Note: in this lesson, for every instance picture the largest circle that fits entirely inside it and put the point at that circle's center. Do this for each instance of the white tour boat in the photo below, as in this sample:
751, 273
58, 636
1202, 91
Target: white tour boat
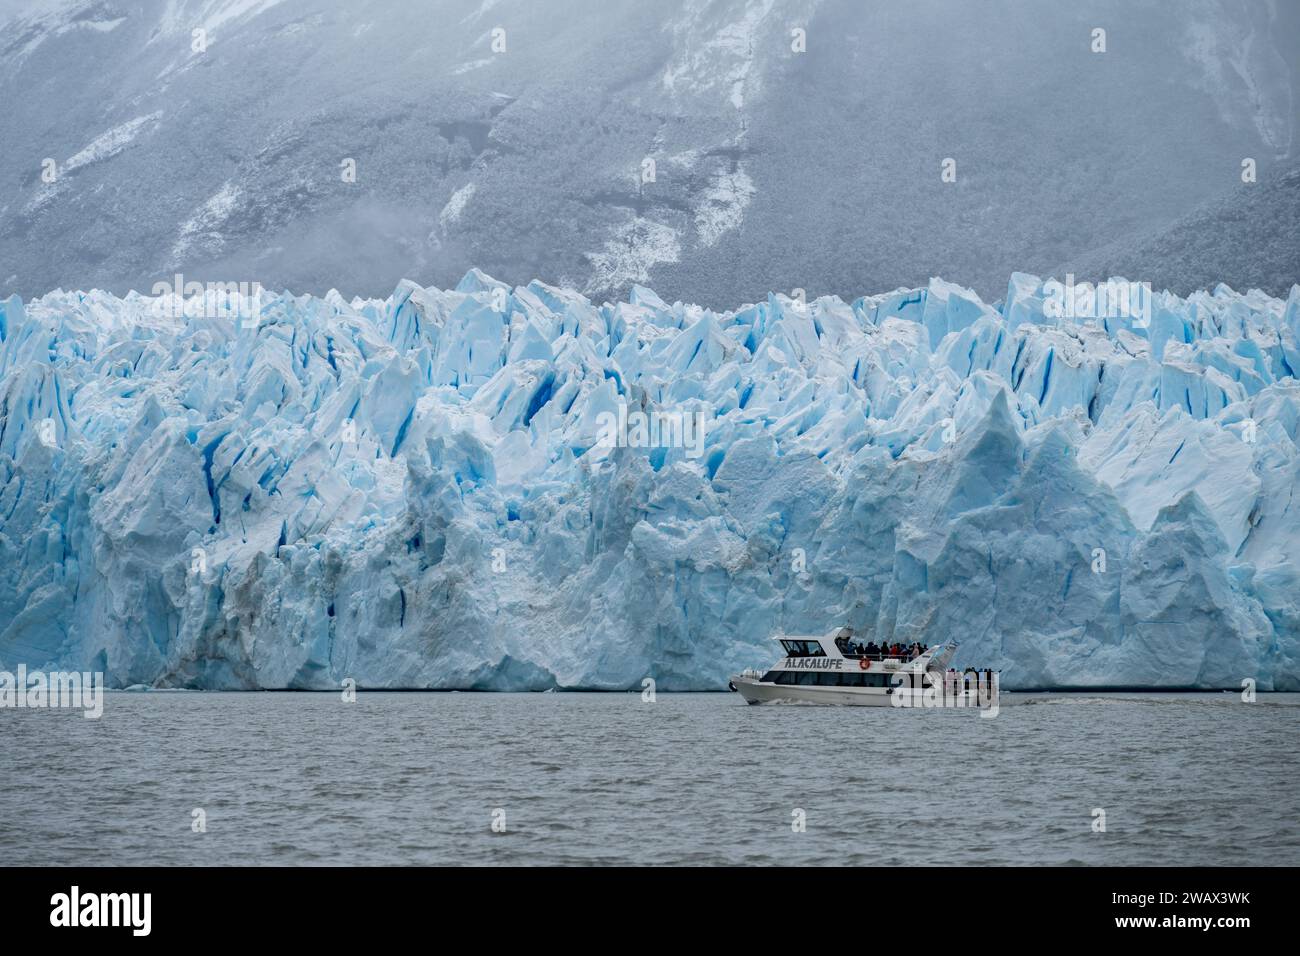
836, 670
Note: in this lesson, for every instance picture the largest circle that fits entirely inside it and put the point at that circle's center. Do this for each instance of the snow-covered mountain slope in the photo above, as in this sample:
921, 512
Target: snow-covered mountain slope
427, 490
1263, 218
523, 152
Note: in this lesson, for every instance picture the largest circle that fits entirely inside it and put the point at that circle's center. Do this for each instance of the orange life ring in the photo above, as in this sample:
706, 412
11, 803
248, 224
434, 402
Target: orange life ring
864, 664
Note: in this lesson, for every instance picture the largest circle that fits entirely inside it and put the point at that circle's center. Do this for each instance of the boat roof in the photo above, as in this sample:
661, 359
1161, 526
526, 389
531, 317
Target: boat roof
835, 635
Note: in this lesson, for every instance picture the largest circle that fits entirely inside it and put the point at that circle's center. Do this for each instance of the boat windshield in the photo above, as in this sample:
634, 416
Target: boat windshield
794, 648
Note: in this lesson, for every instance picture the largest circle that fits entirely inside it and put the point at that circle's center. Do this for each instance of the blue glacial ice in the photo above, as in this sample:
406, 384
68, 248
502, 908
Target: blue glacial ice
414, 492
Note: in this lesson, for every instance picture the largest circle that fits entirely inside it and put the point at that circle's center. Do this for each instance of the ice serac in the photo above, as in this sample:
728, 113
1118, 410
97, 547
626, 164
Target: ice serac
421, 491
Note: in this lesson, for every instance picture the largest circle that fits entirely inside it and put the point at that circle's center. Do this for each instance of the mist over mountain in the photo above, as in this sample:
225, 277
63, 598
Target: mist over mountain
511, 136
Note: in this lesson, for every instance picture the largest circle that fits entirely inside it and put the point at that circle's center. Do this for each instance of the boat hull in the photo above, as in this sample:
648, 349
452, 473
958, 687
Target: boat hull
761, 692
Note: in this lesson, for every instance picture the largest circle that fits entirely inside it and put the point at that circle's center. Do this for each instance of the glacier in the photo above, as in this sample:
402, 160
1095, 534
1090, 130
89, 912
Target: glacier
414, 492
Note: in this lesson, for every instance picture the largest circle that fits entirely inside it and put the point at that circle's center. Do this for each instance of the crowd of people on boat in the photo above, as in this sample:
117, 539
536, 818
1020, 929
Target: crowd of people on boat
879, 652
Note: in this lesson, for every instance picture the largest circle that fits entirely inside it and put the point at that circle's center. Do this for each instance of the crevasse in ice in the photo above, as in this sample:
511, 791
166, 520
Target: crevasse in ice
423, 492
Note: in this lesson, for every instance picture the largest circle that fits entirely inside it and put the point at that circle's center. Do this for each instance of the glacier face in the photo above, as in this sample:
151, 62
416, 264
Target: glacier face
421, 491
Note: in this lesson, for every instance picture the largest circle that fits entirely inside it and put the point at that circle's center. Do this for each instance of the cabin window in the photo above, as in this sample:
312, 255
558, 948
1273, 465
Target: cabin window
803, 649
801, 678
828, 678
859, 679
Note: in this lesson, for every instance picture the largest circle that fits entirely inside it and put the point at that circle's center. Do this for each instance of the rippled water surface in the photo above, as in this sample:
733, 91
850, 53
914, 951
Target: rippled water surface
689, 778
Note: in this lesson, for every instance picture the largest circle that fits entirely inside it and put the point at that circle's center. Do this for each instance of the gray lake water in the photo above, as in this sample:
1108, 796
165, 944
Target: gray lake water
687, 779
